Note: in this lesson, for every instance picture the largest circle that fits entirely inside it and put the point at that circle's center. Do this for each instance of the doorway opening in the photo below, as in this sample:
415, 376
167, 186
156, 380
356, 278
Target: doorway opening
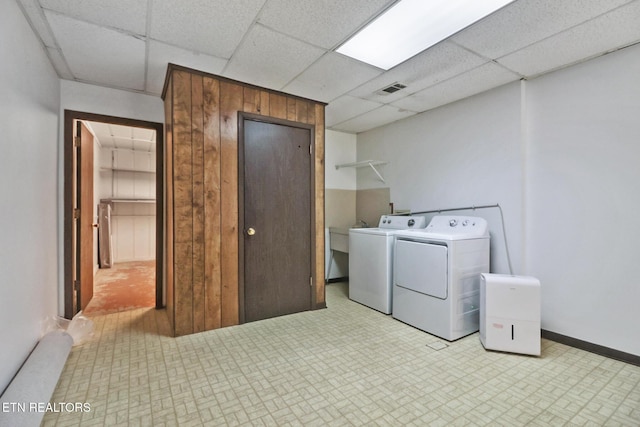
113, 213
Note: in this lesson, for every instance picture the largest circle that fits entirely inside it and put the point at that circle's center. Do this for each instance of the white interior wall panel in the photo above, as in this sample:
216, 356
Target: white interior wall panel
30, 246
133, 185
134, 160
463, 154
123, 159
143, 237
133, 237
559, 153
583, 200
134, 230
144, 185
340, 149
133, 223
123, 242
127, 183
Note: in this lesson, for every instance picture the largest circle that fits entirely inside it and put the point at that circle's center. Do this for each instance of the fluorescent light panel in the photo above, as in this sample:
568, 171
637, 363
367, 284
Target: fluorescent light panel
411, 26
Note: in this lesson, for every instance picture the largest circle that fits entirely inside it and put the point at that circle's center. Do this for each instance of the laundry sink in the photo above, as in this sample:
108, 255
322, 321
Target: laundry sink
339, 239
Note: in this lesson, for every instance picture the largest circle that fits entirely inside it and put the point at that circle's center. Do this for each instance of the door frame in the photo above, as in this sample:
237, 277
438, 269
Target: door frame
69, 132
242, 116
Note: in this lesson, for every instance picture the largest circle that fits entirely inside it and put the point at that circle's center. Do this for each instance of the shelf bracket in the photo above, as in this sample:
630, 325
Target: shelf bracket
377, 173
364, 163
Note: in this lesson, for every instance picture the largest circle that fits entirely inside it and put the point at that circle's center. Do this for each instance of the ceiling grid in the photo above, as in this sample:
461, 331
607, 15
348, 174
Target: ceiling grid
289, 45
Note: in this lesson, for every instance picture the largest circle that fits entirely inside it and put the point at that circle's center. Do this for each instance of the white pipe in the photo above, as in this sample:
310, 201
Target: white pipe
27, 395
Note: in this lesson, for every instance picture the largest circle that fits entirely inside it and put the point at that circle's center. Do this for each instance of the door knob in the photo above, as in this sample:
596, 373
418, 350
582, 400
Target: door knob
94, 225
251, 231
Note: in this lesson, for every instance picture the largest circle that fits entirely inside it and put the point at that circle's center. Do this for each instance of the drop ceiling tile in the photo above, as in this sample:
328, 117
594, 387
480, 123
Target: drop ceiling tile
522, 23
144, 146
323, 23
124, 143
160, 55
270, 59
590, 39
143, 134
102, 132
98, 55
372, 119
215, 27
433, 65
107, 142
483, 78
100, 129
347, 107
128, 15
331, 76
119, 131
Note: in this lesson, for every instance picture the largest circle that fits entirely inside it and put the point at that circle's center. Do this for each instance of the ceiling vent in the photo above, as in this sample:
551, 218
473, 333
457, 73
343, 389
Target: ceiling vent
391, 89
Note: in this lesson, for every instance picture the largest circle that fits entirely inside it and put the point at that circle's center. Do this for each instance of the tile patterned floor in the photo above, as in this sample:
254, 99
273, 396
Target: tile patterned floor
346, 365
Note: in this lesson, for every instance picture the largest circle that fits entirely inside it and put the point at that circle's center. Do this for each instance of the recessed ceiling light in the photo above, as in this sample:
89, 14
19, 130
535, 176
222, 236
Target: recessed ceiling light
411, 26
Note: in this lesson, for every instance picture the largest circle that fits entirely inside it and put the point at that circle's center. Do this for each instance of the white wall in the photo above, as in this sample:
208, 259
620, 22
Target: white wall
111, 102
133, 224
340, 148
340, 196
98, 100
583, 203
560, 154
30, 95
133, 227
464, 154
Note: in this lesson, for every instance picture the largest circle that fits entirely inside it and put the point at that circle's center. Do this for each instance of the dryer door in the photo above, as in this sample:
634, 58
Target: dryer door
421, 267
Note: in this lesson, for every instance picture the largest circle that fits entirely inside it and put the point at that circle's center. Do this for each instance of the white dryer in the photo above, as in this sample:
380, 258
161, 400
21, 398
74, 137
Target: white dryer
436, 285
371, 260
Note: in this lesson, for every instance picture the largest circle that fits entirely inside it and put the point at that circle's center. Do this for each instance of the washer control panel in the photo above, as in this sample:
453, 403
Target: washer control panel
457, 225
465, 222
401, 222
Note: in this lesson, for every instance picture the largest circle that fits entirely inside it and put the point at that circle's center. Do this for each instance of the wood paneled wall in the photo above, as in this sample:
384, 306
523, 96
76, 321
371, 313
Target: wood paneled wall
201, 170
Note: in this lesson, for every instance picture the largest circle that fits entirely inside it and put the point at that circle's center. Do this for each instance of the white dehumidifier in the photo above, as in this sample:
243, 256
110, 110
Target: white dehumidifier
510, 313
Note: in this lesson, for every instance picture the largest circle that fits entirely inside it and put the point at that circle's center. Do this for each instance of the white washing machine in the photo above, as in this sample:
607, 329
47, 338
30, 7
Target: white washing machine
436, 285
371, 260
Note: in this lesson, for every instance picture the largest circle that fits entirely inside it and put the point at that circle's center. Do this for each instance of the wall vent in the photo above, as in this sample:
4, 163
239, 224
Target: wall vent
391, 89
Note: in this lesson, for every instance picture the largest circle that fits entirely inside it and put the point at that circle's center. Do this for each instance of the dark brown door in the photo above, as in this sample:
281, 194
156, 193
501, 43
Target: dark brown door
84, 222
277, 219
